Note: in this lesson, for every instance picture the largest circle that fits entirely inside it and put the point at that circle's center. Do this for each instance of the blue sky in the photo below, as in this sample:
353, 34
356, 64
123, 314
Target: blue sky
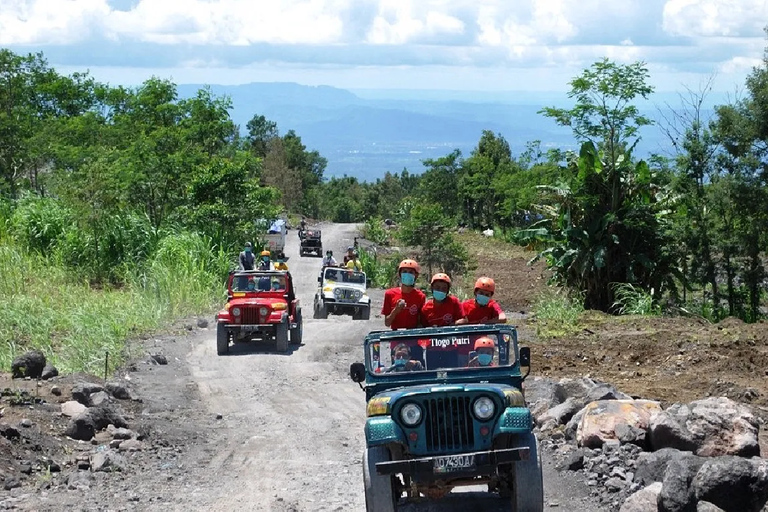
477, 45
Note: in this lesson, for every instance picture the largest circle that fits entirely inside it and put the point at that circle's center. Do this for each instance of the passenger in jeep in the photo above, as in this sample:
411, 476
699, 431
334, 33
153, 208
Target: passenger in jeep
402, 362
443, 308
482, 309
403, 304
485, 349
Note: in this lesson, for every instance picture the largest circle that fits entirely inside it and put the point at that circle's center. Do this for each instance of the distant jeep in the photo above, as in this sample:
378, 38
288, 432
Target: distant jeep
261, 305
342, 291
441, 420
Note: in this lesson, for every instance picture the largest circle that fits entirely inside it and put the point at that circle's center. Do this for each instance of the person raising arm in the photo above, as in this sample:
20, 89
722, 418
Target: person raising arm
403, 304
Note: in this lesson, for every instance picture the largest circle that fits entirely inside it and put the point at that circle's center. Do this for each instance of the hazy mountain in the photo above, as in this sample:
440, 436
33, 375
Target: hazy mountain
390, 130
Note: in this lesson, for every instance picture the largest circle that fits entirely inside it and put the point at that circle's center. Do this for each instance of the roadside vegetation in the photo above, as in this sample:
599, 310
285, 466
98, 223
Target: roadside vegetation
682, 233
123, 209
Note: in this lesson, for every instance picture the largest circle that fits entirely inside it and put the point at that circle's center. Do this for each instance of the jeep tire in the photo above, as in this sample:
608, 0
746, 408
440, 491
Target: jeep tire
526, 477
379, 489
365, 314
321, 311
281, 337
297, 333
222, 339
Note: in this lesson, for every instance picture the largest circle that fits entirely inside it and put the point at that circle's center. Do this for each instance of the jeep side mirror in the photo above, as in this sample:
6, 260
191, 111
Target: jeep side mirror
525, 359
319, 279
357, 372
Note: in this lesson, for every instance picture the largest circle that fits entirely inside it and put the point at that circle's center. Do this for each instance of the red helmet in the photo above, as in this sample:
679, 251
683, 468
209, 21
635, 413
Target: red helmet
484, 342
411, 264
441, 277
486, 284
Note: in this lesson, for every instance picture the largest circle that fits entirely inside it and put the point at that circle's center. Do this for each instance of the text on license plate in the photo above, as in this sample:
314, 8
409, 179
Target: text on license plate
451, 463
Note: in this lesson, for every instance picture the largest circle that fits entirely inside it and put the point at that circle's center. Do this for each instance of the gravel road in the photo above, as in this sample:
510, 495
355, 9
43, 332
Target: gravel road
291, 437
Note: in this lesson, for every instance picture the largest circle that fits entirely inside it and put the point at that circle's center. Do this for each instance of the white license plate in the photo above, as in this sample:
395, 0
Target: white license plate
452, 463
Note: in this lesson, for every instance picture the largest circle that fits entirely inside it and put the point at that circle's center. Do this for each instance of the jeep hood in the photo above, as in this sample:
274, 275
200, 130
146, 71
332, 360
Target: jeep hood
256, 301
411, 391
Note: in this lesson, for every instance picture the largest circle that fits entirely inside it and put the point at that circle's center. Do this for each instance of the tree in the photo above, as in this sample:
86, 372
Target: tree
260, 132
440, 182
278, 173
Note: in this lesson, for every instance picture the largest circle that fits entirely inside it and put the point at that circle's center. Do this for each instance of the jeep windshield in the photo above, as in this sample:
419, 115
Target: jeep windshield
441, 351
255, 283
342, 275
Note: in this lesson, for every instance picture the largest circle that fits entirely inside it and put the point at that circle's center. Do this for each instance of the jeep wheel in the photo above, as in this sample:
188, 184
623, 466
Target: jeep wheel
222, 340
379, 489
321, 311
526, 477
281, 337
298, 332
365, 314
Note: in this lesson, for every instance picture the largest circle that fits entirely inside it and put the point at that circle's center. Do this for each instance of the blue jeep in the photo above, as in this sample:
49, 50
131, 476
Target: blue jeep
441, 419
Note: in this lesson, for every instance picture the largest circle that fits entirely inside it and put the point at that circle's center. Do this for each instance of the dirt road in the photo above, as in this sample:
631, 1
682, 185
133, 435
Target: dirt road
291, 437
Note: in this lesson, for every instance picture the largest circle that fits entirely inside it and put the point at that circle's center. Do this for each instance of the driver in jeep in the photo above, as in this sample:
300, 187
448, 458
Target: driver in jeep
485, 349
402, 362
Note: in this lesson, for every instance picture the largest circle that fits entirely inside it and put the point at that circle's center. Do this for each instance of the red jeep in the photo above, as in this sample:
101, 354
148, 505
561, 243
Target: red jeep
260, 305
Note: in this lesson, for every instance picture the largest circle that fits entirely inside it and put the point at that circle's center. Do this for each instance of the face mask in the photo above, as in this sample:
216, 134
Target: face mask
281, 261
247, 249
483, 300
484, 359
407, 279
438, 295
400, 362
265, 259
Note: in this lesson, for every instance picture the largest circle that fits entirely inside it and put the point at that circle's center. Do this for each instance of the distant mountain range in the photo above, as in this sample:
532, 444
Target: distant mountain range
368, 133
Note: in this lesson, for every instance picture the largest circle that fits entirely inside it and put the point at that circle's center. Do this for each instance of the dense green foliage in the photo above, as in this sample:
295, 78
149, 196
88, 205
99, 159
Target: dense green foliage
123, 209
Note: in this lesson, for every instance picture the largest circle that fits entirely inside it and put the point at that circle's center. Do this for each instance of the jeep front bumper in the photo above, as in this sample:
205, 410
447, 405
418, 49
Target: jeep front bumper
462, 465
257, 327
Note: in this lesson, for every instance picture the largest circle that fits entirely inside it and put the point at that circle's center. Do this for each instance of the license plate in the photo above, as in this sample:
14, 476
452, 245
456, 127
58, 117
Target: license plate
250, 328
451, 463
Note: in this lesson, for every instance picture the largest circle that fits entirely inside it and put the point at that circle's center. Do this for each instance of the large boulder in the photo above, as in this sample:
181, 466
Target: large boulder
601, 419
676, 492
82, 392
710, 427
733, 483
85, 425
561, 413
31, 364
651, 466
644, 500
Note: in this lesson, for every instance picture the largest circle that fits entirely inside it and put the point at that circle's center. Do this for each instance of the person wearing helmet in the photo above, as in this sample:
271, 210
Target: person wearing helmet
483, 309
247, 259
485, 349
402, 362
265, 263
403, 304
443, 308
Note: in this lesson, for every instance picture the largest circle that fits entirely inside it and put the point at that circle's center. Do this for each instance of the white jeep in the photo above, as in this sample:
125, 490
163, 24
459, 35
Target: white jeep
342, 291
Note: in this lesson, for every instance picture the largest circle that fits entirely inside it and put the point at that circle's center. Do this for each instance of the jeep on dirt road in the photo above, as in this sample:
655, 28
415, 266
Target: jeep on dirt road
442, 420
342, 291
311, 242
261, 305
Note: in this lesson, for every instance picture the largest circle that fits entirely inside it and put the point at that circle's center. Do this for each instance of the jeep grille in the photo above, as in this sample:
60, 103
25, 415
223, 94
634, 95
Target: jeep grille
448, 424
347, 294
250, 316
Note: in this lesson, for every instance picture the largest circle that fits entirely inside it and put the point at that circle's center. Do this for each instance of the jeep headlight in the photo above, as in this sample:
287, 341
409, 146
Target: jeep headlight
483, 408
410, 414
264, 311
338, 293
236, 311
358, 294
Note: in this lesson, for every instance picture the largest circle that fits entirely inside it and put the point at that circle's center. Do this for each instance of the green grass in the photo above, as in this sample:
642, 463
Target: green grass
557, 314
631, 300
44, 306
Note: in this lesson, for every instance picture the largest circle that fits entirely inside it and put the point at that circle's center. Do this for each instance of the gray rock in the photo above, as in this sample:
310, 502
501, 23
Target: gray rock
72, 408
651, 466
630, 434
118, 391
604, 391
25, 422
709, 427
676, 492
30, 364
99, 398
79, 480
55, 390
85, 424
573, 425
644, 500
131, 445
573, 388
704, 506
122, 433
11, 483
49, 372
82, 392
561, 413
574, 461
9, 432
159, 358
615, 484
107, 461
202, 323
733, 483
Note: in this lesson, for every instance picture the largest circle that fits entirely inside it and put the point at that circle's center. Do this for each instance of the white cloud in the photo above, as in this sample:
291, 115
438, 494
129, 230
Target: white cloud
731, 18
50, 21
403, 21
740, 65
